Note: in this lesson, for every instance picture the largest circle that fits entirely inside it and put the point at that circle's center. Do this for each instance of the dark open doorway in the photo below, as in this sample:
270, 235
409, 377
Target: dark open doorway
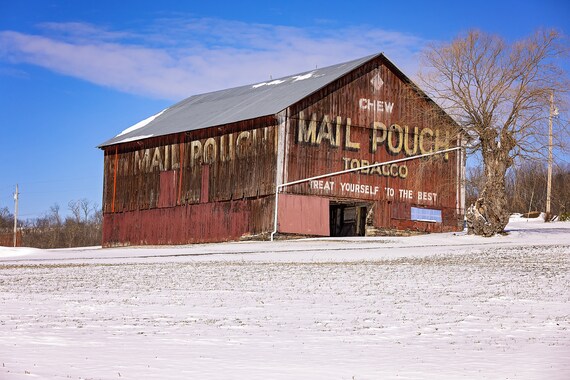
348, 219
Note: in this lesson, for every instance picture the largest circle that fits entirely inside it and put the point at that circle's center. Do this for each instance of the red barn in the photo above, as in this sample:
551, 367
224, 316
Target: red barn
210, 167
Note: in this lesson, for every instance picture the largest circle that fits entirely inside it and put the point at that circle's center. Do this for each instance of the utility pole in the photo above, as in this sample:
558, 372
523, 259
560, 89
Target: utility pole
553, 112
16, 194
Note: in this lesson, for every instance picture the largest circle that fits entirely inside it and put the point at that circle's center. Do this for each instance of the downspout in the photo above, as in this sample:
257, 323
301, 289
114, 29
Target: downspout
280, 167
277, 187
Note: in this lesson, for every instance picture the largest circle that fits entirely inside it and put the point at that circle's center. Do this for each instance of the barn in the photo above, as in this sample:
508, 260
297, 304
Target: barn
353, 149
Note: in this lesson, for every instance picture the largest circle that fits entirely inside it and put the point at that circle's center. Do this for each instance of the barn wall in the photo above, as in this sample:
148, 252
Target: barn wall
196, 223
371, 116
172, 170
165, 175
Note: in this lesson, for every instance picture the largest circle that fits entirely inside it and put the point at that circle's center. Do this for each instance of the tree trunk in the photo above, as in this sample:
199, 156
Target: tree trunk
489, 215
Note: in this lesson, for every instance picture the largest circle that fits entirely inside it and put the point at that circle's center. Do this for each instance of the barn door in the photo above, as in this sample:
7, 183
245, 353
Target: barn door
347, 219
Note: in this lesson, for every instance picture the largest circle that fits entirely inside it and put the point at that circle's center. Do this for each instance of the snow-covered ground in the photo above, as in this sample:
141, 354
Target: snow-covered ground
441, 306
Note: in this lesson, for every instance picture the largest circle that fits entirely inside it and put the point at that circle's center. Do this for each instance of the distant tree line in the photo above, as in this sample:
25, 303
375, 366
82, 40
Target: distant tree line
526, 188
81, 228
525, 184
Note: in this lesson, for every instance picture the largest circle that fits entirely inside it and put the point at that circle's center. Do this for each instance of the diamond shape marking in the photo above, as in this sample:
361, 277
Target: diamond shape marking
377, 82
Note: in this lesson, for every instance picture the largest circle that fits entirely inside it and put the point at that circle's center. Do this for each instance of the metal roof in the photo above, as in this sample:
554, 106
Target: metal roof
235, 104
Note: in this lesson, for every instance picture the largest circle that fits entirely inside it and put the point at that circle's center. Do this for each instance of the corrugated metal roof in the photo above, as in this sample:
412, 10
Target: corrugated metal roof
235, 104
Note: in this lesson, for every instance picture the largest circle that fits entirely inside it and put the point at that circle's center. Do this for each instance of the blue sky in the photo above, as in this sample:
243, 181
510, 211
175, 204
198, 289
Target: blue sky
75, 73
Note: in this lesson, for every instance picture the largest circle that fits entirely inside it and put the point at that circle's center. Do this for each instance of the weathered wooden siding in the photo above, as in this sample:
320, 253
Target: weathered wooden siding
304, 215
220, 164
176, 169
371, 116
192, 223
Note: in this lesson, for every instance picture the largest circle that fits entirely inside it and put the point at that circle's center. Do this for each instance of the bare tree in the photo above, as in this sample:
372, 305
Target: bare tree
500, 94
6, 219
526, 187
561, 191
85, 209
75, 209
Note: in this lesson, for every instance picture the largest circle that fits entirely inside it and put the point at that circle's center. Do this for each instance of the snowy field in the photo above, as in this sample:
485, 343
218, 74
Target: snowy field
440, 306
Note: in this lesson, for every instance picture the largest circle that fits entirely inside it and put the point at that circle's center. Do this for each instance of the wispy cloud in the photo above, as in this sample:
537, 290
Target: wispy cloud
177, 57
